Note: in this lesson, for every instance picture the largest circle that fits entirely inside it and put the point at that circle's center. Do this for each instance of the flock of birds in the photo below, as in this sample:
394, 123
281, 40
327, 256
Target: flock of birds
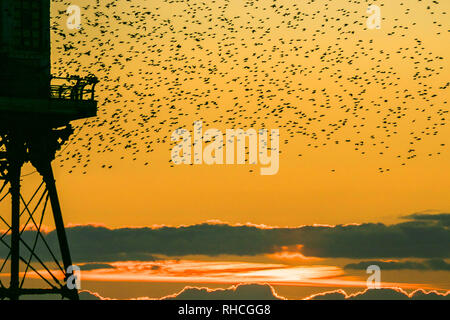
310, 68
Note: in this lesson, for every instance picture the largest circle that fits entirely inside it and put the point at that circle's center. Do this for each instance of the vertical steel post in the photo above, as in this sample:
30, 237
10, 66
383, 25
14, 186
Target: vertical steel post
15, 230
14, 180
47, 174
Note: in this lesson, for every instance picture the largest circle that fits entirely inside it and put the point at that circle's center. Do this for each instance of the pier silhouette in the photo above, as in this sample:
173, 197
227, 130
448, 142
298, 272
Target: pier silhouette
36, 110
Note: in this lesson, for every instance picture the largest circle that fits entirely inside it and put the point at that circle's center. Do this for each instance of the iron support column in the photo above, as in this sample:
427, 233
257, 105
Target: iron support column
47, 174
14, 170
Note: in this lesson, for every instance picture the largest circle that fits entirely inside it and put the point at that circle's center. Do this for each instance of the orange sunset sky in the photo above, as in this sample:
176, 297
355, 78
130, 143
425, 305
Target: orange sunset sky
362, 114
305, 190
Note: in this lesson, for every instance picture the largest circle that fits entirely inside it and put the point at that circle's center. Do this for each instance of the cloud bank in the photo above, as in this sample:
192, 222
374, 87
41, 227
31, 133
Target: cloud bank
381, 294
422, 236
255, 291
239, 292
431, 264
96, 266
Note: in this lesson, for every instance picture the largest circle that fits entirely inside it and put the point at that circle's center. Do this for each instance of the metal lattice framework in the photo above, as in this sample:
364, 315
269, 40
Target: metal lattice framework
28, 253
35, 114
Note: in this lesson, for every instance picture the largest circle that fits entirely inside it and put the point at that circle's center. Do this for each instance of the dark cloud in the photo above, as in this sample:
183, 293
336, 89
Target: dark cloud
88, 295
431, 264
96, 266
442, 218
382, 294
251, 291
240, 292
417, 238
267, 292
